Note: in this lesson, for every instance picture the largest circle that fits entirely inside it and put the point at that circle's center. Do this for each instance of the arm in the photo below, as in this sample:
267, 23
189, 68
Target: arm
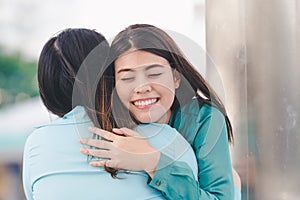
212, 152
174, 179
172, 147
26, 174
214, 167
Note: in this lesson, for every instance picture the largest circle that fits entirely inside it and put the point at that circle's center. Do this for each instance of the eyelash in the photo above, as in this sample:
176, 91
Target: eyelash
150, 75
127, 79
155, 75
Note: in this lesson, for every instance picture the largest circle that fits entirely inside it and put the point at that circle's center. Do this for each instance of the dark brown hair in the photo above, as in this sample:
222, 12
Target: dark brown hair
58, 64
154, 40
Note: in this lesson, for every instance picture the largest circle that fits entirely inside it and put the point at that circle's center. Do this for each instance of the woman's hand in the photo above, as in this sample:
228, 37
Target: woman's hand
126, 149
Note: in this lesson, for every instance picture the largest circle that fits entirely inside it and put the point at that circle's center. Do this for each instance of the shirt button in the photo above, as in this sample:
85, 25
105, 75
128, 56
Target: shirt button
158, 183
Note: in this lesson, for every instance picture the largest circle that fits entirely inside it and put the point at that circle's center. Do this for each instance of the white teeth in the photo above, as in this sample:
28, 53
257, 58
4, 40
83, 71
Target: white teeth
145, 103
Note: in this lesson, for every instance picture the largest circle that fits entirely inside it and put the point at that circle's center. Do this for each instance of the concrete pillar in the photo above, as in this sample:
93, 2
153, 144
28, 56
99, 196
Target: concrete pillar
254, 47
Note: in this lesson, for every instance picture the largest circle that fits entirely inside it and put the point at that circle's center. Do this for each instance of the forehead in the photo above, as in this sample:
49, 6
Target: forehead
138, 58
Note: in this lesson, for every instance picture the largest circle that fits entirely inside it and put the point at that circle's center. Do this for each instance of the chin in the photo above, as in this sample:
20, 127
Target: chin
143, 120
151, 120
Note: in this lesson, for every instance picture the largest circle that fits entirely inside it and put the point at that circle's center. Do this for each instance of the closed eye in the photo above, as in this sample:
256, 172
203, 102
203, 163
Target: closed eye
155, 74
127, 78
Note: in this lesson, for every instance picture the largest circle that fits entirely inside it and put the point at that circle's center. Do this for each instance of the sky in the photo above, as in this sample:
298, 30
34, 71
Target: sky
26, 25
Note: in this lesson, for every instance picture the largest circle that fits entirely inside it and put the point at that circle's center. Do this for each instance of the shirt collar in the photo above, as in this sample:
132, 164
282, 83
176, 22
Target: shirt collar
75, 116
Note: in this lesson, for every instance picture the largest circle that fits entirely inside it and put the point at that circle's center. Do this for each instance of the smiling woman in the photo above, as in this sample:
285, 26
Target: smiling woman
146, 86
150, 80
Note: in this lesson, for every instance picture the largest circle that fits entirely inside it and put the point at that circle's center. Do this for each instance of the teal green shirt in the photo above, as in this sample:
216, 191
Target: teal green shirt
205, 129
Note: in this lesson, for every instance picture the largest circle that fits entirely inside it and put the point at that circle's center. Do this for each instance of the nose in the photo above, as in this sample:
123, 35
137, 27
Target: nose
144, 88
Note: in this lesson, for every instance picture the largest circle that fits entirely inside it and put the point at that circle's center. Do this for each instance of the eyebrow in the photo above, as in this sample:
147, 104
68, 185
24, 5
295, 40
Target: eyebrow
147, 68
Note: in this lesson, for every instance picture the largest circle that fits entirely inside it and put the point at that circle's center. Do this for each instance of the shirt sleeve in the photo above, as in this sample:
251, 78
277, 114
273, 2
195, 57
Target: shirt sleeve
26, 174
170, 178
215, 180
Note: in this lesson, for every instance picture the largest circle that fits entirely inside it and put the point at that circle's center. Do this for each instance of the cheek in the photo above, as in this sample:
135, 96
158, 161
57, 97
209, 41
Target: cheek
123, 93
167, 86
167, 93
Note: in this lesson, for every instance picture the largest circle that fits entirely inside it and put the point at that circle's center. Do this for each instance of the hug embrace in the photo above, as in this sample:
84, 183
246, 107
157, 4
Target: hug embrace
147, 124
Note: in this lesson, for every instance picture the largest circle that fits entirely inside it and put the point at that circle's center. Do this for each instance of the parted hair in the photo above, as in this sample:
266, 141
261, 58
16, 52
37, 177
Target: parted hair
58, 64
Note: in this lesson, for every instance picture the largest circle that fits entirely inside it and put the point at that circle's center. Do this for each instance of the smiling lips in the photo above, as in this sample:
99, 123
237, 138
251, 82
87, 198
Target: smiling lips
145, 103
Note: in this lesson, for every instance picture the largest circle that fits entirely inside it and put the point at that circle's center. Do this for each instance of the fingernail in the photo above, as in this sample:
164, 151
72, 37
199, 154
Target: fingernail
82, 140
83, 150
91, 128
94, 164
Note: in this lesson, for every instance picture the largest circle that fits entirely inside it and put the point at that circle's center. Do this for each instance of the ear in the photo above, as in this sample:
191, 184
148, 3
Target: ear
177, 78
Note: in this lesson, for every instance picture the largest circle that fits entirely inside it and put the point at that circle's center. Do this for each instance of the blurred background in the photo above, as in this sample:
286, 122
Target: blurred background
251, 60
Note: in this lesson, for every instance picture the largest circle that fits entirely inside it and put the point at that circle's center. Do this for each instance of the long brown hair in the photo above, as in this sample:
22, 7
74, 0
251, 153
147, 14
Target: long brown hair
154, 40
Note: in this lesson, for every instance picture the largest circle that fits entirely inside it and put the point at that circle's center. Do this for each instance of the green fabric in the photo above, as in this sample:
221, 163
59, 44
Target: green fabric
204, 128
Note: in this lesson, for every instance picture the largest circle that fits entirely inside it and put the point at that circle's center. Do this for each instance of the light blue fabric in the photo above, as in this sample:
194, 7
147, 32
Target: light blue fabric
237, 194
171, 143
54, 169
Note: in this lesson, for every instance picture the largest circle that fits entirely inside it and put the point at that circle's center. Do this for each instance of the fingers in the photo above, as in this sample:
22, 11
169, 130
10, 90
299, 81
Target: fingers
102, 163
103, 133
118, 131
128, 132
96, 153
101, 144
